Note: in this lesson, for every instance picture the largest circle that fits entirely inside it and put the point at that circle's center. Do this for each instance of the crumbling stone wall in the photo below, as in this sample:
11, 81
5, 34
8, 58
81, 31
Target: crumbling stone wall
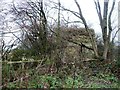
74, 53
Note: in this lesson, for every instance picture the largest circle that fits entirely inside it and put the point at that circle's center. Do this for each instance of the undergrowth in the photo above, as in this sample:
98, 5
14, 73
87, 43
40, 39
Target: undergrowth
54, 81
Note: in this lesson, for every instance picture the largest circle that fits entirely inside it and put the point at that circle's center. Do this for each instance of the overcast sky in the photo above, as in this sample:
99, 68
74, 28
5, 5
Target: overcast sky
88, 9
87, 6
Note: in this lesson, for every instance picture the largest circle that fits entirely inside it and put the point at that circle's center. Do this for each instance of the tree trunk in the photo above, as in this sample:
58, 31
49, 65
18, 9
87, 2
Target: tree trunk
105, 23
92, 39
104, 29
105, 52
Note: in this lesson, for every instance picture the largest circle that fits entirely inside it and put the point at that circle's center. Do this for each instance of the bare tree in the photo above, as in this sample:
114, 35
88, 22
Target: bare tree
1, 42
105, 23
92, 39
32, 21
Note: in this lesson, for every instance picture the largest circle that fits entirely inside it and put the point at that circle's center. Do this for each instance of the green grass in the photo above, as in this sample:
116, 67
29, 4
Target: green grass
54, 81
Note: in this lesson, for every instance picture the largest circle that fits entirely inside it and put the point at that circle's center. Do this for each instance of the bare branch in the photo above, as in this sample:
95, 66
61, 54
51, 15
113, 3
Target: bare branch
115, 35
98, 9
109, 19
94, 45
